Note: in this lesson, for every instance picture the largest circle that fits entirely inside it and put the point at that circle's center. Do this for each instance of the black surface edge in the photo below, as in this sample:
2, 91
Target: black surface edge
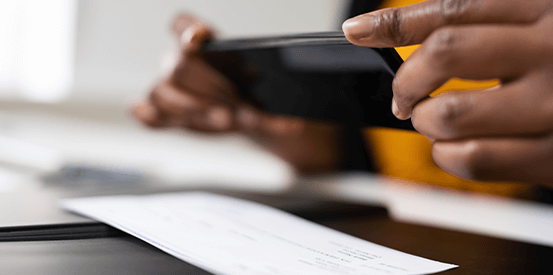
58, 232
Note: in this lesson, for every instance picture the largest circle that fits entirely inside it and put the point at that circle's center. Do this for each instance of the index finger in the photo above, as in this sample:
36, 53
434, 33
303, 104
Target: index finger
409, 25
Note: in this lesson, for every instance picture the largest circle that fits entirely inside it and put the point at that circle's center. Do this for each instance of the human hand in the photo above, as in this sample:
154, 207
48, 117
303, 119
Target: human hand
500, 134
197, 97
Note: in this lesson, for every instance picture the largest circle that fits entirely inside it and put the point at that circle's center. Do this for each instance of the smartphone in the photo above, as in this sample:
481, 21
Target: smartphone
318, 76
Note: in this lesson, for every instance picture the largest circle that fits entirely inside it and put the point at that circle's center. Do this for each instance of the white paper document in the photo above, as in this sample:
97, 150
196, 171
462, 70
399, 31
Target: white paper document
226, 235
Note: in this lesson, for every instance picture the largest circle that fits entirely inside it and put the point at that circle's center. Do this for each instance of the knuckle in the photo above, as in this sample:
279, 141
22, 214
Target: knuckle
388, 26
441, 45
453, 11
168, 101
441, 117
450, 113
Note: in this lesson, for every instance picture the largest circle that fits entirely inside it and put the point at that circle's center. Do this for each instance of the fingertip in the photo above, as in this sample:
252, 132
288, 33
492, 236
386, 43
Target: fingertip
146, 113
398, 113
404, 115
181, 22
444, 156
399, 109
195, 36
456, 158
358, 28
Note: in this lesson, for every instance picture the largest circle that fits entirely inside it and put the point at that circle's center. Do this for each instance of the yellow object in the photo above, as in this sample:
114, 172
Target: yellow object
407, 155
399, 3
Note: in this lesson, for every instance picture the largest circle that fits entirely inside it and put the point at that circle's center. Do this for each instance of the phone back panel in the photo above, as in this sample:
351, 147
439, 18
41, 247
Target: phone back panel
316, 76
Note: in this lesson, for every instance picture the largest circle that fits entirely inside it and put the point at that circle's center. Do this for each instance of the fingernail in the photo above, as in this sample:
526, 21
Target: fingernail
219, 118
359, 27
191, 34
145, 112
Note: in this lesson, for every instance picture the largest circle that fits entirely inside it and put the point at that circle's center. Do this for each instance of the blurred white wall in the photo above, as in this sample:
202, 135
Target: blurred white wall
37, 39
120, 43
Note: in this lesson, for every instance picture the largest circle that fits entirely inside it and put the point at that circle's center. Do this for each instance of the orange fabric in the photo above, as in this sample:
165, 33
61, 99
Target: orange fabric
407, 154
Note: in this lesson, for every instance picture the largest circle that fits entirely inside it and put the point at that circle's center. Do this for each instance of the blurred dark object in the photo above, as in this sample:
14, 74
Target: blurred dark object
358, 7
81, 175
58, 232
356, 152
544, 194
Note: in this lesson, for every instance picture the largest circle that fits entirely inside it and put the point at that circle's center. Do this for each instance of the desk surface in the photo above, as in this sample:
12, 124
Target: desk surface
122, 254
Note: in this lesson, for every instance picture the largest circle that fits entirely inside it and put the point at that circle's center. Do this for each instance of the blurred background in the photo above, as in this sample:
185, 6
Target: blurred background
69, 70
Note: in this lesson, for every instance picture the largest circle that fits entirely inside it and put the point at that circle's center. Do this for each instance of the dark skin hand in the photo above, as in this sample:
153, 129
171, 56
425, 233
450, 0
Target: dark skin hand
500, 134
197, 97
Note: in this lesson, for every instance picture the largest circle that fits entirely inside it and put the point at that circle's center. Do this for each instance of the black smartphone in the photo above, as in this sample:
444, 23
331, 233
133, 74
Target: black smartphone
319, 76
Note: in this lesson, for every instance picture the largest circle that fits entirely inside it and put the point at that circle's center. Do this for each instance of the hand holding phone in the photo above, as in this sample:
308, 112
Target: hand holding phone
196, 96
199, 97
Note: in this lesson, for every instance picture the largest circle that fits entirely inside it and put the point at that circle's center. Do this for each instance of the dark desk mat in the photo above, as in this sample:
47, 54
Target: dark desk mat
121, 255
